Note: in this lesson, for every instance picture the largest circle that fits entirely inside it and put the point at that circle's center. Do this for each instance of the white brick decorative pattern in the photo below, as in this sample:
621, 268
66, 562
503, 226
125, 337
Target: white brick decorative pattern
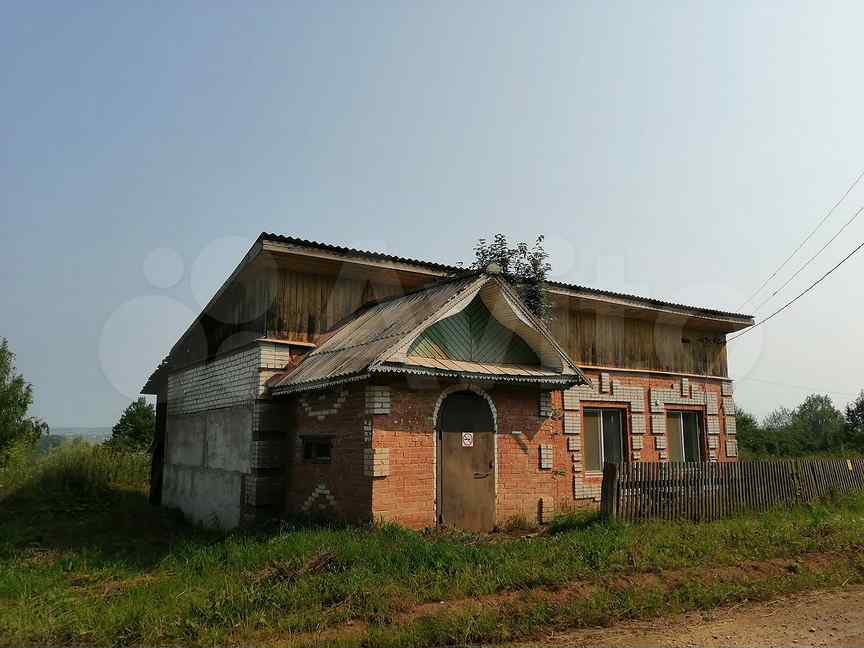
608, 390
731, 447
712, 455
377, 399
585, 491
620, 393
324, 497
546, 457
637, 442
726, 388
367, 430
713, 442
274, 356
546, 510
664, 456
572, 422
660, 442
728, 406
376, 462
685, 387
731, 425
546, 404
322, 404
658, 424
713, 425
637, 456
712, 404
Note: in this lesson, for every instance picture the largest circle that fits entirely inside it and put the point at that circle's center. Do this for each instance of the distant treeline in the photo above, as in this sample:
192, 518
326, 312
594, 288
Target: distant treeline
814, 427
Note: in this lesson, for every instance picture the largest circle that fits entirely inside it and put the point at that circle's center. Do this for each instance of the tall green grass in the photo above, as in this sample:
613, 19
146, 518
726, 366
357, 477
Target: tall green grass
76, 468
100, 566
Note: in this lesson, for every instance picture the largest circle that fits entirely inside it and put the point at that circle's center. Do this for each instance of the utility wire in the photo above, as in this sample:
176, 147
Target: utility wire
811, 259
806, 238
797, 297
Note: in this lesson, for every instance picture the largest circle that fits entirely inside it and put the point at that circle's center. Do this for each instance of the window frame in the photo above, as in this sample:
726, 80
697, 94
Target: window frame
703, 439
625, 434
307, 440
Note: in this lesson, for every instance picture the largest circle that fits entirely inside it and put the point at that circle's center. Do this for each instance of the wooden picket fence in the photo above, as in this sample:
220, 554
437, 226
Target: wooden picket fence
701, 492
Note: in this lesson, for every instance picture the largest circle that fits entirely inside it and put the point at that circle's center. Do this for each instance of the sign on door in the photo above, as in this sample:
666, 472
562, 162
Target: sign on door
467, 439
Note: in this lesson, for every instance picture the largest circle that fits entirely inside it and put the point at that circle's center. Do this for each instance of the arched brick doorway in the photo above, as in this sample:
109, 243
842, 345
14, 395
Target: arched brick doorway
466, 462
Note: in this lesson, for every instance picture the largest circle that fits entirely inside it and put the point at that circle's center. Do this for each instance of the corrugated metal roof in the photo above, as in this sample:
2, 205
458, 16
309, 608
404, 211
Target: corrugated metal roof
369, 342
362, 340
441, 267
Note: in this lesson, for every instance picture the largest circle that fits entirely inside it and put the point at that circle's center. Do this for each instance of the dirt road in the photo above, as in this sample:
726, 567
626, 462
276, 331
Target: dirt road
830, 618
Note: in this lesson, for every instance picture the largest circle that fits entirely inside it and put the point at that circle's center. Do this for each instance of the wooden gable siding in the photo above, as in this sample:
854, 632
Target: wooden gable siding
475, 336
284, 303
594, 338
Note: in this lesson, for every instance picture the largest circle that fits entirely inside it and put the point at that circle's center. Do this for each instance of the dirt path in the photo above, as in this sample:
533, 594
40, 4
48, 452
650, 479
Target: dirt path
829, 618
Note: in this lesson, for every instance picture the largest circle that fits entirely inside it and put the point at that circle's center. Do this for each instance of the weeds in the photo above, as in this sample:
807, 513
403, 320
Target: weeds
85, 560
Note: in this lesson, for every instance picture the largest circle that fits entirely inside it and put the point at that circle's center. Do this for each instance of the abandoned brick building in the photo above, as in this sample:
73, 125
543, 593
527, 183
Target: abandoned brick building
327, 380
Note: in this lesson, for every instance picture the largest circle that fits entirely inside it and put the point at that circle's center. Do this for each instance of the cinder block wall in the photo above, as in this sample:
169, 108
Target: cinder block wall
215, 426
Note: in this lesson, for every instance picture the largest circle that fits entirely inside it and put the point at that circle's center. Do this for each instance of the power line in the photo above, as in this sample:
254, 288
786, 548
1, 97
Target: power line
797, 297
806, 238
810, 260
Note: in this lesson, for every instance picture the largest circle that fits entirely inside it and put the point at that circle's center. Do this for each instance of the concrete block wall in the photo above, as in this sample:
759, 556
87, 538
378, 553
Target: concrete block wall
224, 446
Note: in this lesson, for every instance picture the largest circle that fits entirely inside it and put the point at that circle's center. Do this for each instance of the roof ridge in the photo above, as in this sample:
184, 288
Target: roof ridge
292, 240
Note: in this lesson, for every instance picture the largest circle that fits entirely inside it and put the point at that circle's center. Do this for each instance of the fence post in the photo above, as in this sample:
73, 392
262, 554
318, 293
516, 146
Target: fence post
609, 491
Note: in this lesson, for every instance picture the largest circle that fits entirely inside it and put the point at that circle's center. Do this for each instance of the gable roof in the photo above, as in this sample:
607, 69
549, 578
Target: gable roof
278, 244
378, 339
348, 253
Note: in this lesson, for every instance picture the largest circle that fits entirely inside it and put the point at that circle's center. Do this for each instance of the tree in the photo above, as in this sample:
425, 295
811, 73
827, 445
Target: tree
526, 267
16, 397
751, 436
818, 426
854, 432
134, 430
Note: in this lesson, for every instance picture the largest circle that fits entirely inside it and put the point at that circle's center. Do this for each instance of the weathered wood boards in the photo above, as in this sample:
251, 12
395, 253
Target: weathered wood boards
638, 492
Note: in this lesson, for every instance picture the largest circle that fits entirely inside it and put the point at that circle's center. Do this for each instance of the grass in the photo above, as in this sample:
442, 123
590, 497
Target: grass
85, 560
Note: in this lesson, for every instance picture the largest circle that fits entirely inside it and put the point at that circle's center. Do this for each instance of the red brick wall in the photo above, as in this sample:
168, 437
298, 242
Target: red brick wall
521, 480
406, 494
350, 491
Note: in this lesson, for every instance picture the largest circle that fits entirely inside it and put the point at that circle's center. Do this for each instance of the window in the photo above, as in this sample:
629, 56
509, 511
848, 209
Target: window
684, 436
603, 435
317, 449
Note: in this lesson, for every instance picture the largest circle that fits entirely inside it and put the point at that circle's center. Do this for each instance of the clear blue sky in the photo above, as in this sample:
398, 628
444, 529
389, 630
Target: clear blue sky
677, 150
